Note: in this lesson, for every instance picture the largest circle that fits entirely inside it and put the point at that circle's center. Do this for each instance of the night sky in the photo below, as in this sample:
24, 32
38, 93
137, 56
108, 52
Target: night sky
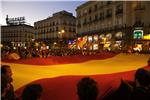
37, 9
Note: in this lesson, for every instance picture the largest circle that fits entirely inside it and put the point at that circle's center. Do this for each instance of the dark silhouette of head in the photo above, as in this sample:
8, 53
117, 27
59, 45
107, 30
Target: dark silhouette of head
4, 84
6, 70
148, 62
32, 92
142, 77
87, 89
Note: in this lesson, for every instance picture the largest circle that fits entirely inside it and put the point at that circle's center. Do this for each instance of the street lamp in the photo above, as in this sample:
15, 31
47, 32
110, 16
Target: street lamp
60, 33
32, 40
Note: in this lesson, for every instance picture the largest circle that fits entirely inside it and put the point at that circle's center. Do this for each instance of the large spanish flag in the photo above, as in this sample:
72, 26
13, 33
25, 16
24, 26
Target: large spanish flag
59, 75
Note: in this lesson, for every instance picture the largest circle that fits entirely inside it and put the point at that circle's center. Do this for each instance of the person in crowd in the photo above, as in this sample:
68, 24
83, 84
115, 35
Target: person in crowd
148, 62
4, 87
87, 89
32, 92
6, 71
122, 93
142, 89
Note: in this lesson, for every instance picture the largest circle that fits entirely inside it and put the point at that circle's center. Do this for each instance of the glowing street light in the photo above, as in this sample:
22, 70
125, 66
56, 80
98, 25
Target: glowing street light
62, 31
14, 48
55, 43
47, 47
1, 45
33, 40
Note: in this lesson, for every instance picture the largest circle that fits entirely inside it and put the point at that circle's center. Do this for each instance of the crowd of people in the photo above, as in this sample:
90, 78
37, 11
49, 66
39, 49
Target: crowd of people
87, 88
32, 52
139, 89
7, 90
30, 92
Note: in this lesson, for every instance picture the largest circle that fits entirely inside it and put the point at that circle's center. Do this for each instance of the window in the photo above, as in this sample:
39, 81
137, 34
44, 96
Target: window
53, 23
95, 7
69, 29
90, 19
138, 21
79, 14
64, 22
56, 23
79, 23
73, 29
95, 19
119, 9
109, 13
101, 16
84, 21
90, 10
109, 2
56, 28
85, 11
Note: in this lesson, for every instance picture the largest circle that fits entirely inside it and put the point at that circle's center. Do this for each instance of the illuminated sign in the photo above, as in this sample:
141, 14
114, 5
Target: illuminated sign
109, 36
95, 37
147, 37
85, 38
15, 21
138, 34
101, 36
95, 46
90, 39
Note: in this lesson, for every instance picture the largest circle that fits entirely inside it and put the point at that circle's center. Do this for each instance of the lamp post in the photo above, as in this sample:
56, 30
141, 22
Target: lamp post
32, 44
60, 35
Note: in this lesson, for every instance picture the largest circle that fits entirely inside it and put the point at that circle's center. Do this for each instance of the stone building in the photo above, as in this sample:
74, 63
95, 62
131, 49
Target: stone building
62, 25
113, 24
17, 35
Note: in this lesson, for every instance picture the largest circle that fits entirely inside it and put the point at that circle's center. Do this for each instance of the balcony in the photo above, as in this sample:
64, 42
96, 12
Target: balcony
95, 20
119, 11
101, 18
108, 3
109, 15
84, 23
90, 11
95, 8
138, 24
139, 8
78, 25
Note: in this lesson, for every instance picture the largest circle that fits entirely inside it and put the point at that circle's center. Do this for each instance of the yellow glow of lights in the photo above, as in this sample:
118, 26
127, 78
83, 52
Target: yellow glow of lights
36, 44
106, 45
104, 39
62, 31
147, 37
1, 45
139, 45
55, 43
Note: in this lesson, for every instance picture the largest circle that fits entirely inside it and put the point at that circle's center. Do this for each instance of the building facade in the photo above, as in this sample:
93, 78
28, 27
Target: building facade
17, 35
113, 23
62, 25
